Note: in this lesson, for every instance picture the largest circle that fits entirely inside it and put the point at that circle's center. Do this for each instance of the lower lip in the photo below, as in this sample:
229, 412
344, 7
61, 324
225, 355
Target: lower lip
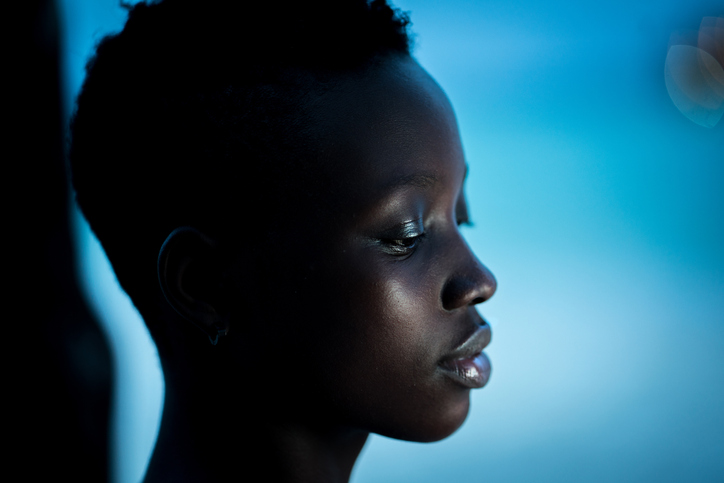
472, 372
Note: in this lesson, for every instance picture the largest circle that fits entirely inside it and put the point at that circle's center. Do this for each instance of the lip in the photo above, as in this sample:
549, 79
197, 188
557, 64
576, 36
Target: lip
467, 364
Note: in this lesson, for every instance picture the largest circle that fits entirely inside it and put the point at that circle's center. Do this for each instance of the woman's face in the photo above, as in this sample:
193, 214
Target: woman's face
387, 337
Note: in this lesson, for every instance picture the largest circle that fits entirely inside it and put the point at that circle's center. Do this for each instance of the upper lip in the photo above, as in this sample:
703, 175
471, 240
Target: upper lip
473, 344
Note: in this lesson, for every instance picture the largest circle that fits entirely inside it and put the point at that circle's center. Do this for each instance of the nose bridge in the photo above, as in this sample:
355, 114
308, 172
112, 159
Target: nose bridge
469, 281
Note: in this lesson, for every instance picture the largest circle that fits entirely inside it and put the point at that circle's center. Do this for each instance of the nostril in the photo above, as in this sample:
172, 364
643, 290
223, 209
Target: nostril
470, 287
461, 292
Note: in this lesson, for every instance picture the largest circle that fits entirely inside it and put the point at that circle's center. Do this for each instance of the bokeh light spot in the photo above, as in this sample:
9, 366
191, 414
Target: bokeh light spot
694, 75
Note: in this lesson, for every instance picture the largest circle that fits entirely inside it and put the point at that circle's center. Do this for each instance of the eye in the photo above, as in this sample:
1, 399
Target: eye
403, 239
462, 215
464, 222
402, 246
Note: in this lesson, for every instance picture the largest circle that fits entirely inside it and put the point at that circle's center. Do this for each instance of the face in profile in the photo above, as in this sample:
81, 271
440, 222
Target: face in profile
387, 337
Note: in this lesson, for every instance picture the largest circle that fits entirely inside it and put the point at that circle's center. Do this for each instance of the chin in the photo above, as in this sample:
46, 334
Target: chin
432, 427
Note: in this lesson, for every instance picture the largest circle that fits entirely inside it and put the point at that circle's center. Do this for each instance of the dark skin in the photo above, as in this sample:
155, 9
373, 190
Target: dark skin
370, 303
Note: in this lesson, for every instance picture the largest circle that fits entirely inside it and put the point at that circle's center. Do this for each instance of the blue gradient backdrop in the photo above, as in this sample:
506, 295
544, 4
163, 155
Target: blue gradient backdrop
600, 209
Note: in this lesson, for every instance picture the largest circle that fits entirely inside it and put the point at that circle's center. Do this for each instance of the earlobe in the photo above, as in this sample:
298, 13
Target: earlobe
186, 263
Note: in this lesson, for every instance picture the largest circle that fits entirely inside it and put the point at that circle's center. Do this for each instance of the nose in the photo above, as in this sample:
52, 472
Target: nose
470, 282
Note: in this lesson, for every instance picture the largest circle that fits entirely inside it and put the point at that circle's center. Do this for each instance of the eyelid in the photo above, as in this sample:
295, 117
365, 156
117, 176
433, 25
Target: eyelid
404, 230
402, 247
403, 239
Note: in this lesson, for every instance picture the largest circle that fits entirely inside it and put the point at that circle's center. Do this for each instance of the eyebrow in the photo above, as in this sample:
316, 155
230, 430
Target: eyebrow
419, 180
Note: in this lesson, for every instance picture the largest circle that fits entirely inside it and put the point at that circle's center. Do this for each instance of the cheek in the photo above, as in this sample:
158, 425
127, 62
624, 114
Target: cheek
387, 338
391, 315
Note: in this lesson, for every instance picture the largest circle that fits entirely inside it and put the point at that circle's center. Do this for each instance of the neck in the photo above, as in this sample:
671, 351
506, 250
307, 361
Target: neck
212, 437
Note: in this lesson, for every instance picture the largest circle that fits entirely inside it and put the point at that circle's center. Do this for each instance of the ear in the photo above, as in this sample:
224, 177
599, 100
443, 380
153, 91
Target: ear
190, 279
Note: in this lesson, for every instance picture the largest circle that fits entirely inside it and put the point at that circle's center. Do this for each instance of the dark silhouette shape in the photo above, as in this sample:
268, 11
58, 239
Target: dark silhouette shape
67, 387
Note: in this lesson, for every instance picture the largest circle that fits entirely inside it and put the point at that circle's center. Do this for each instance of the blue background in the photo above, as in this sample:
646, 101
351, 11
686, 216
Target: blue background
600, 209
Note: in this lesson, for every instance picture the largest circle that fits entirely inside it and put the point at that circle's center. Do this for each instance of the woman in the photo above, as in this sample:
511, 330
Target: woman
290, 181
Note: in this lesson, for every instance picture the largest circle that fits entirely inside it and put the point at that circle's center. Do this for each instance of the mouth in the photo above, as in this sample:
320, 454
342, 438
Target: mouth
467, 364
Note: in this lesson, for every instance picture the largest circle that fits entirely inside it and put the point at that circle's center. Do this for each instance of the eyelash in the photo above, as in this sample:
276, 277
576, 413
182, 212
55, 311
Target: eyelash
401, 247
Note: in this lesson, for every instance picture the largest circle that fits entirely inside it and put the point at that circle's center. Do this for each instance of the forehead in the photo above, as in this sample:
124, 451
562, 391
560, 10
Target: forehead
391, 125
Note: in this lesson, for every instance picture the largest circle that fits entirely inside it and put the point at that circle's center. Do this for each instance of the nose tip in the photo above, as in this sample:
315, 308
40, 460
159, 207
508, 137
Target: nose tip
471, 284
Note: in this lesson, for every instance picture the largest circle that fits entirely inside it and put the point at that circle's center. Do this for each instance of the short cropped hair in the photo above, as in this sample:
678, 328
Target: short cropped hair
195, 105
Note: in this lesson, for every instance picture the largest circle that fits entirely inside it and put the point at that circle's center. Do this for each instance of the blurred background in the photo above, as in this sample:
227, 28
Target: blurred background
596, 155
